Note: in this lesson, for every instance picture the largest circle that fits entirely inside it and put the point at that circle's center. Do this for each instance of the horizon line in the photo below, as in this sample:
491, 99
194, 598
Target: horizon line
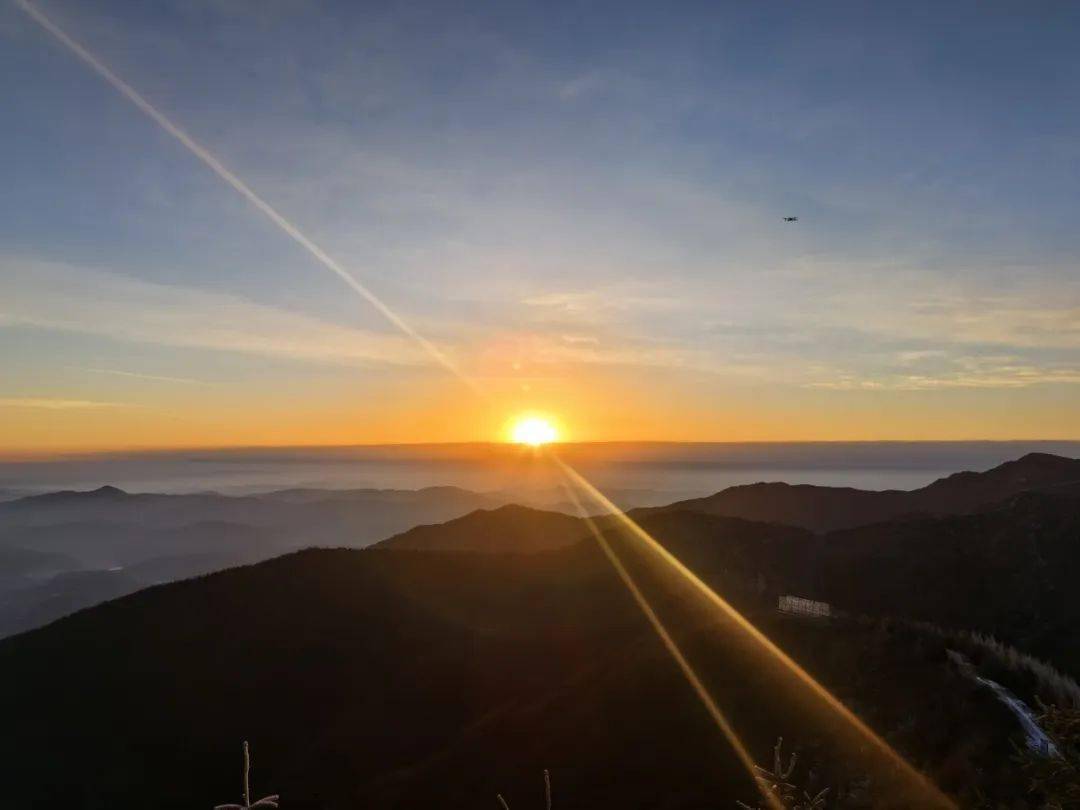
59, 455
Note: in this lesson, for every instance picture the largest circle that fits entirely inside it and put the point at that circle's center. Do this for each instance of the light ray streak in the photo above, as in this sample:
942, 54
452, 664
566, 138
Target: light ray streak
933, 795
676, 653
210, 161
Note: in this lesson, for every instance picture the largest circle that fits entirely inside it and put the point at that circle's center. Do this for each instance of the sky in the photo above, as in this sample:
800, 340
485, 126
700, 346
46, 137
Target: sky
579, 204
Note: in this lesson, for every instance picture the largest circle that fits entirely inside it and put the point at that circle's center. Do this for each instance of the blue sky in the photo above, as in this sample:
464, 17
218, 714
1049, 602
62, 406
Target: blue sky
559, 195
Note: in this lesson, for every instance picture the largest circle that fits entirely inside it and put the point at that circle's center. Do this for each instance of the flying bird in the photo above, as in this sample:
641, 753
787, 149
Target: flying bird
791, 219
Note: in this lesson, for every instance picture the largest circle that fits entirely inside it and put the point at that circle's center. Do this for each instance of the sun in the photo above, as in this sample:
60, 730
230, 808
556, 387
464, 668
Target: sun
533, 431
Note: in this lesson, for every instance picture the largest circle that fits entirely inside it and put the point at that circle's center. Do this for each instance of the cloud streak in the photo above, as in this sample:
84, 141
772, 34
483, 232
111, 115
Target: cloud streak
75, 299
138, 376
49, 404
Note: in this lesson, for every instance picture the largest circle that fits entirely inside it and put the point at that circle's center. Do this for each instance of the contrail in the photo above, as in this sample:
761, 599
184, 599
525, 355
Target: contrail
215, 165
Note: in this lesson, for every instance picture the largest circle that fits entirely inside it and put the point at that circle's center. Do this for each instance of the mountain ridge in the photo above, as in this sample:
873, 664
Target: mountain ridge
511, 528
823, 509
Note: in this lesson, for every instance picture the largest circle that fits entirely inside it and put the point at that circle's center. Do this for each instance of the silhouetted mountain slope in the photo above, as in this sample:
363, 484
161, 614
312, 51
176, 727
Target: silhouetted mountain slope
391, 678
367, 659
969, 491
508, 529
1010, 570
827, 508
630, 734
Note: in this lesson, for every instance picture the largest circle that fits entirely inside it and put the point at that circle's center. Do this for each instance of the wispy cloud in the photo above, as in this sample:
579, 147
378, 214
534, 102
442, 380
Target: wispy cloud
586, 84
1015, 378
598, 304
77, 299
49, 404
136, 375
1044, 323
934, 370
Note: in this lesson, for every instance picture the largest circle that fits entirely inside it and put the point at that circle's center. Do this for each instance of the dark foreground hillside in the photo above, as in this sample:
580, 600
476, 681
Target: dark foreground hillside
1011, 571
384, 678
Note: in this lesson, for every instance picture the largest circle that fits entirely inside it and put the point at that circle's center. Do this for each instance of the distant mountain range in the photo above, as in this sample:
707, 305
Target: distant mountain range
826, 508
362, 515
454, 661
119, 542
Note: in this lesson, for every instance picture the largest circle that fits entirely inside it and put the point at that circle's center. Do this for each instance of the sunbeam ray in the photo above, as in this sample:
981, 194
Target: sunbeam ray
717, 715
216, 166
929, 792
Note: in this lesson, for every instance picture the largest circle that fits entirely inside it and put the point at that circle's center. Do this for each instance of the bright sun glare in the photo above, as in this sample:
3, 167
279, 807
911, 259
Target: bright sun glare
533, 431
